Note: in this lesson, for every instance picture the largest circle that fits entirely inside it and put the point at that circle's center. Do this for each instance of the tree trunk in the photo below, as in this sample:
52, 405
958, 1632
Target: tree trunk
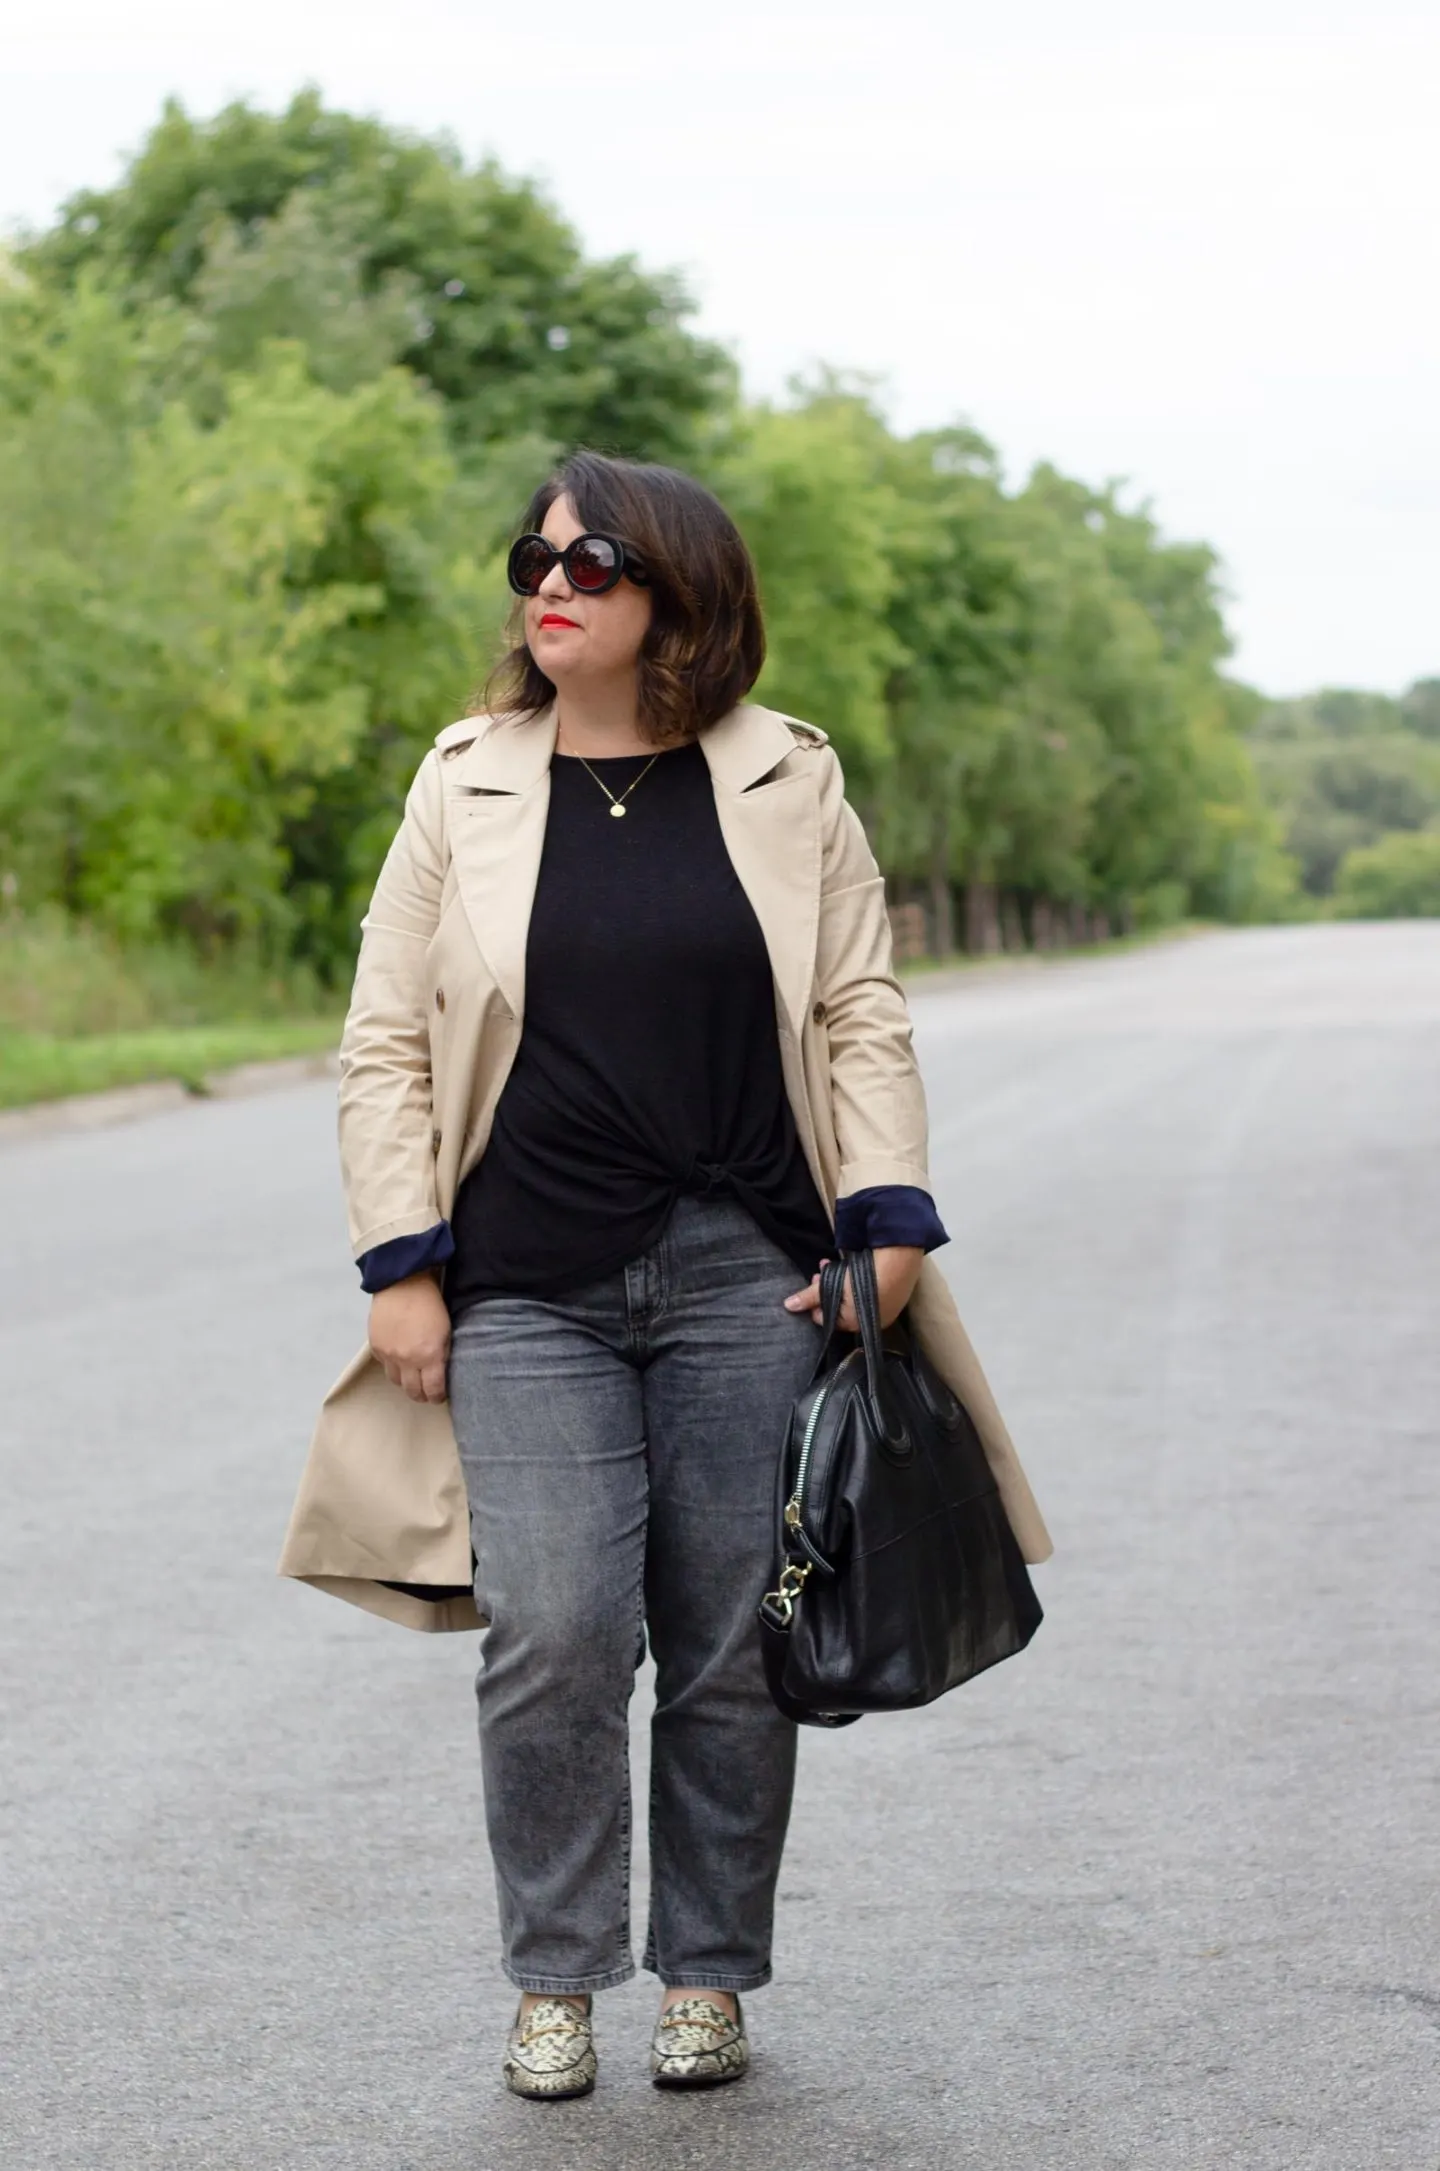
942, 900
982, 919
1012, 926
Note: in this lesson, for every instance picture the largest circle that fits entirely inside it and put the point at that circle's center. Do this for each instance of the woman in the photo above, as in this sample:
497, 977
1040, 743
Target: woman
624, 1030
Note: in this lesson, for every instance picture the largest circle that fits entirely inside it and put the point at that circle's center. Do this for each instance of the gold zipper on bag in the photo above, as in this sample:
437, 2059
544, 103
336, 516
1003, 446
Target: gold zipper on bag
795, 1505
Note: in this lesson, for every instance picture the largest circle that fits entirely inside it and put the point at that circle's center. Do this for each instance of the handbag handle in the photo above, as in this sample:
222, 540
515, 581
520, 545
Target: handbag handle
832, 1296
890, 1431
853, 1264
865, 1295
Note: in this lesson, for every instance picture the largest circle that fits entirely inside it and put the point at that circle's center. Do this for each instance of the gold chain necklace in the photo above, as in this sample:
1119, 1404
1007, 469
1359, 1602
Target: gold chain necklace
617, 806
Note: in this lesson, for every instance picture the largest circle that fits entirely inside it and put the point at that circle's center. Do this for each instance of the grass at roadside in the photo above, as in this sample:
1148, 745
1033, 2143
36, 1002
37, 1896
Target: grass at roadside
82, 1012
47, 1066
921, 968
71, 980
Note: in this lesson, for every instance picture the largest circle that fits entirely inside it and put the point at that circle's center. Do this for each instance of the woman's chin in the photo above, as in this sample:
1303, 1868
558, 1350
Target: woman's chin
558, 654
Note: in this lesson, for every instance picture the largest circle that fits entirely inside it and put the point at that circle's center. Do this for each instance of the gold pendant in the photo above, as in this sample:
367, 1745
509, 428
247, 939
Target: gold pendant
617, 809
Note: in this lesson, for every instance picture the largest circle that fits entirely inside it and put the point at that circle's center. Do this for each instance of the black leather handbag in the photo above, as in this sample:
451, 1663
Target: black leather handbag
898, 1575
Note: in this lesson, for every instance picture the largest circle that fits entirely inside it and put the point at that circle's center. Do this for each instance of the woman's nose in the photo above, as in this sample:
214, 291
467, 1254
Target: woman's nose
555, 585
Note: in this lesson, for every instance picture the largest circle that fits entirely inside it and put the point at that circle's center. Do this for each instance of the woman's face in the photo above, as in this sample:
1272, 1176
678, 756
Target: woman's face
576, 637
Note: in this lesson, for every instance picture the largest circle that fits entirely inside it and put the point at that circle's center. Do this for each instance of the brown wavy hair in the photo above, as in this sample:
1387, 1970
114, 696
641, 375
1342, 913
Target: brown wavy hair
706, 640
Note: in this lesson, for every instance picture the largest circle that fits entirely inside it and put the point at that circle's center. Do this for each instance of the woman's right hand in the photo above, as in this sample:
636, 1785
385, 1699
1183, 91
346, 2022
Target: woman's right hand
410, 1334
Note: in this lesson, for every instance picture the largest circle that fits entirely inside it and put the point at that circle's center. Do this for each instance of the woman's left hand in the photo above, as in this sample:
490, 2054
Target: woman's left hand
897, 1269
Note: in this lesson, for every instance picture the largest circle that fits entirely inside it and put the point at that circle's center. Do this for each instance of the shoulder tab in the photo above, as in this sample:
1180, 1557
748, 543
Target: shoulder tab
456, 737
809, 735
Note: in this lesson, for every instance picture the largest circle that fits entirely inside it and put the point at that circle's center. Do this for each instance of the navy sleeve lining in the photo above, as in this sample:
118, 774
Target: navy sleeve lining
889, 1213
385, 1264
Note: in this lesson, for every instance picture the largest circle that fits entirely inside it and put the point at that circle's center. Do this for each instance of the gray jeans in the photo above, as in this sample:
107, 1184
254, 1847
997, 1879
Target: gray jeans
619, 1447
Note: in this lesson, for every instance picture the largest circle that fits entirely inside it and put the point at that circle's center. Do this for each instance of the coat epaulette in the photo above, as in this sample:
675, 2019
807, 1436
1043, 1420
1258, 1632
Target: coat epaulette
808, 734
456, 737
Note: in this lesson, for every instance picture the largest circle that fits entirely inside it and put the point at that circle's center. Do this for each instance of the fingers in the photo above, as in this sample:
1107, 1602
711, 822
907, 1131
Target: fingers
421, 1377
896, 1271
410, 1336
423, 1382
806, 1300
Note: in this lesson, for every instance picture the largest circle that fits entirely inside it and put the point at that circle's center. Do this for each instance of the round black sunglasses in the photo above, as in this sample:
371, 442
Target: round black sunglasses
594, 564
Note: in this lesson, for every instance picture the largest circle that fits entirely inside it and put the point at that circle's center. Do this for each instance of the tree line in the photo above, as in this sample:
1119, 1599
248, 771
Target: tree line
269, 409
1356, 779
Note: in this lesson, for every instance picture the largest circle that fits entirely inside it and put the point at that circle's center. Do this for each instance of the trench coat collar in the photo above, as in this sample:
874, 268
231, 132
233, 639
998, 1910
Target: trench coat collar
741, 748
748, 743
772, 835
505, 755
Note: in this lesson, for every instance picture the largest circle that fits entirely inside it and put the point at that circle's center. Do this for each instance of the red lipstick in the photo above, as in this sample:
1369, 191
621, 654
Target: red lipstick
553, 618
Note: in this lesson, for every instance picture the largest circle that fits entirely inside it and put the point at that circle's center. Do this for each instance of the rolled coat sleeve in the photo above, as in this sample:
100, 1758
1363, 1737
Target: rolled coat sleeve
386, 1102
878, 1102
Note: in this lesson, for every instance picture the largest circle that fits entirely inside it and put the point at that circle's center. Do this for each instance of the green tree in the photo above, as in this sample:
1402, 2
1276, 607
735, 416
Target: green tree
365, 242
1344, 768
267, 410
808, 489
1396, 879
957, 617
1420, 708
219, 647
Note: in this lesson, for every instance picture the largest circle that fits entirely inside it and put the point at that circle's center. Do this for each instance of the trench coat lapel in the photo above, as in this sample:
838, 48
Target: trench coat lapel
771, 827
498, 803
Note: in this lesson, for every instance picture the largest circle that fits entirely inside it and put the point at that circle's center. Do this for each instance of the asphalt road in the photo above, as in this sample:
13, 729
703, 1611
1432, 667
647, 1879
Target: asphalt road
1162, 1893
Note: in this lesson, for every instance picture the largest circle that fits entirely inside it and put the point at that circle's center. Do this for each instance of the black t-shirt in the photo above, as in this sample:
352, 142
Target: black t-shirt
649, 1064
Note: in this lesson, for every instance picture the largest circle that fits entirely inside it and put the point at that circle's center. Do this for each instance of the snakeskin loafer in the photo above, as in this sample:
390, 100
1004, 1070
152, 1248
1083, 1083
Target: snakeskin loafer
697, 2045
550, 2052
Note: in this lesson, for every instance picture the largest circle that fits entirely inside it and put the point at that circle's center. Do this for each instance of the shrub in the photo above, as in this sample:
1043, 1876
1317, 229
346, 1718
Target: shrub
1396, 879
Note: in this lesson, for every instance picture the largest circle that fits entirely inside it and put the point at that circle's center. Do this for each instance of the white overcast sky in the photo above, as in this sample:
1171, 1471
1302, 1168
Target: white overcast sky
1191, 246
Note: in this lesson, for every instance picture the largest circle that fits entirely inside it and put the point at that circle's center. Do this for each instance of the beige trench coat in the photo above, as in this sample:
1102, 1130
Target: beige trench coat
433, 1028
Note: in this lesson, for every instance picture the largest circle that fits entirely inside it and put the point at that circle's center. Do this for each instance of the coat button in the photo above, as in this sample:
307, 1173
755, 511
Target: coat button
440, 999
819, 1013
